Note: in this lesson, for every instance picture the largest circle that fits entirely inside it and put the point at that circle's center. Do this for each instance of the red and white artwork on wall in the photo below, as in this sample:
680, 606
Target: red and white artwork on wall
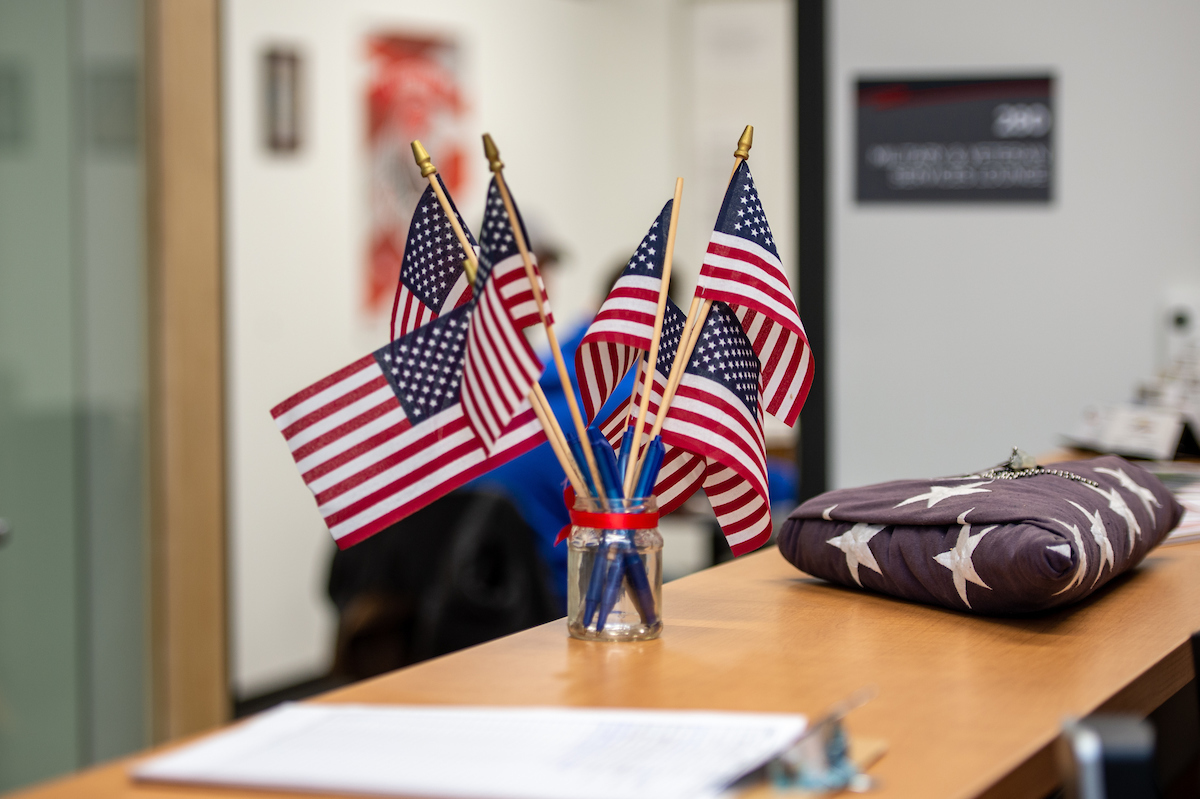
414, 91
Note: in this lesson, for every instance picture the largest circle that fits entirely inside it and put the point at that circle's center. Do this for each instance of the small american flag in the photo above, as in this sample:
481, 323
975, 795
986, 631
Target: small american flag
682, 472
432, 278
717, 413
501, 366
625, 323
742, 268
386, 435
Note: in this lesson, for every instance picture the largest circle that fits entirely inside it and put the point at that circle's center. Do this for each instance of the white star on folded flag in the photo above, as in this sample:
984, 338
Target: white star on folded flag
1100, 536
936, 494
386, 435
856, 542
1117, 503
1081, 568
958, 558
742, 268
1132, 486
624, 325
501, 366
432, 278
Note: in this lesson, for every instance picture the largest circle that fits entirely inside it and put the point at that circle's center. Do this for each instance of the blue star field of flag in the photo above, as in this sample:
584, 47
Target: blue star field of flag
672, 330
742, 212
647, 259
724, 355
433, 258
424, 367
497, 241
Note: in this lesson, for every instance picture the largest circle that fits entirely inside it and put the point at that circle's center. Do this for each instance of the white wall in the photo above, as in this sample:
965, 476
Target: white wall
957, 332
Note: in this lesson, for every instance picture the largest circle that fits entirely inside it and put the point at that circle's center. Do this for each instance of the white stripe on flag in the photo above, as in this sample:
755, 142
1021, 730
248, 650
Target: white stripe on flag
319, 400
351, 439
340, 417
427, 454
751, 247
751, 295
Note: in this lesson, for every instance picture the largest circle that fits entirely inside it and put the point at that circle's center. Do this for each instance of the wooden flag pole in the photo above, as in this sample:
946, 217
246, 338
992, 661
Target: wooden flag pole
537, 398
497, 167
637, 378
697, 313
554, 434
631, 469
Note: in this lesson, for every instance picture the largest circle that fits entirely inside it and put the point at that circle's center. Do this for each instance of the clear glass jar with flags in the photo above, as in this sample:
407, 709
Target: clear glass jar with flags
614, 570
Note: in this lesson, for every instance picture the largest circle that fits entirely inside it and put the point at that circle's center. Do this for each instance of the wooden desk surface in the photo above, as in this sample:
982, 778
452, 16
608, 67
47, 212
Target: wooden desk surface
968, 705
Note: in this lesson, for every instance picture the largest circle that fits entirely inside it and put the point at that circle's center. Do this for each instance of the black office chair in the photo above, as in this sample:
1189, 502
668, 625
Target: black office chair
1119, 756
461, 571
1108, 756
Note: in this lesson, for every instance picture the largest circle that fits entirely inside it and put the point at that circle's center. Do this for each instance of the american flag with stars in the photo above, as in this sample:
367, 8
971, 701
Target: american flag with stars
432, 278
501, 366
624, 325
387, 435
717, 413
682, 471
742, 268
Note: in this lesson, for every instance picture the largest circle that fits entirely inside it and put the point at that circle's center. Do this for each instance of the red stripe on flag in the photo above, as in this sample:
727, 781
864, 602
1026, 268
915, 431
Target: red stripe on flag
362, 448
772, 281
410, 477
741, 298
321, 385
386, 520
343, 430
323, 412
750, 427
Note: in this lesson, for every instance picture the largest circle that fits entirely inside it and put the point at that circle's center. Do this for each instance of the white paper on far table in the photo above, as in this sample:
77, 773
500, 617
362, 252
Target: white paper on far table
533, 753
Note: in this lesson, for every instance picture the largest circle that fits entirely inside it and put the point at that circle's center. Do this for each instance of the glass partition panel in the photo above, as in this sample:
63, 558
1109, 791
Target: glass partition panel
73, 662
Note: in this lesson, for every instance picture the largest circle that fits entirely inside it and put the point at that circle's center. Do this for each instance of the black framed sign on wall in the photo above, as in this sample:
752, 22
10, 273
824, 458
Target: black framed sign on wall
955, 140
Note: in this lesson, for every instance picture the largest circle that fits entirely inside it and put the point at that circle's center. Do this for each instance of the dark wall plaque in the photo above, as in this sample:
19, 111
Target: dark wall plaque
955, 140
282, 102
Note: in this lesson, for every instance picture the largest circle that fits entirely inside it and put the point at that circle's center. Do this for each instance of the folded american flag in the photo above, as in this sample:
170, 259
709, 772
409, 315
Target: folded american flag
742, 268
624, 324
501, 366
682, 471
432, 278
984, 544
387, 435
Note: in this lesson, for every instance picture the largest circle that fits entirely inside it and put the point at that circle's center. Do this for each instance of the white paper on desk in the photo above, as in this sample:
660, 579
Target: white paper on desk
532, 753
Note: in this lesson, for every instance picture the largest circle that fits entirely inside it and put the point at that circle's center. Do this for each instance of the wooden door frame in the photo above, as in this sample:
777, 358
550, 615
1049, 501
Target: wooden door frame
188, 636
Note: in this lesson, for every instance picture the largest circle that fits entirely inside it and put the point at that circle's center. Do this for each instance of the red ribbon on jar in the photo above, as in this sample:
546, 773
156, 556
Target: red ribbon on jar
603, 521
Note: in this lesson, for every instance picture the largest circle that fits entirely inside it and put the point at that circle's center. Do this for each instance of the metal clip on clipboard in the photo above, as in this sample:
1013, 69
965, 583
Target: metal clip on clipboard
821, 761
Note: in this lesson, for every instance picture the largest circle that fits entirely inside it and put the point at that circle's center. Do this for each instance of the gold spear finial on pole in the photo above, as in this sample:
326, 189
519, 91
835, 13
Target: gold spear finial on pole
492, 153
421, 156
745, 143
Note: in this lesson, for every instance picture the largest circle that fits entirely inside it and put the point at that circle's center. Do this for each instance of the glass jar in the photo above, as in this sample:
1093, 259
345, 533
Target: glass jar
614, 570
